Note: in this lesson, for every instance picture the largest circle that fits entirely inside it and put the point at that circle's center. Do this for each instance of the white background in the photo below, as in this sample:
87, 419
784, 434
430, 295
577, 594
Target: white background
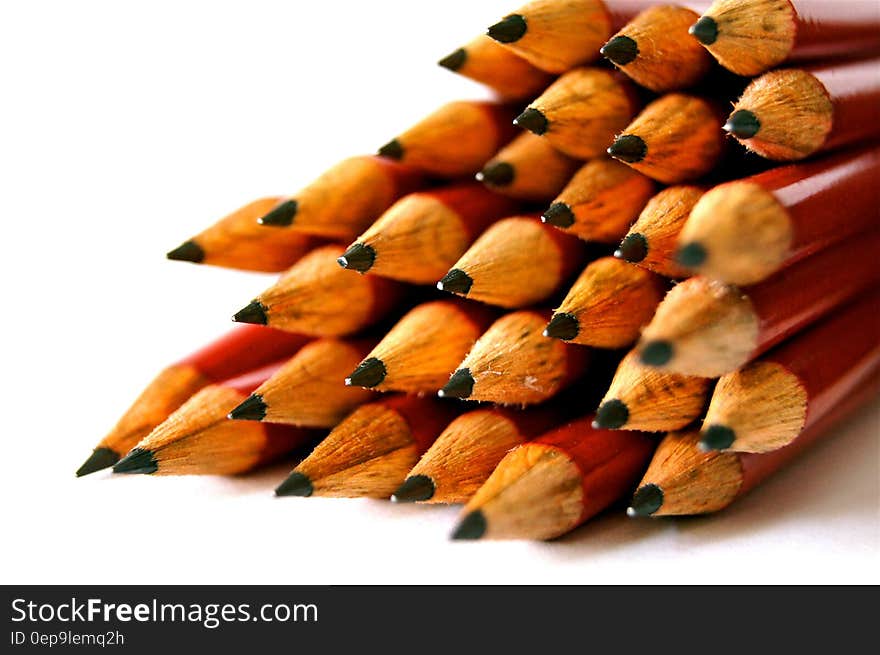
127, 127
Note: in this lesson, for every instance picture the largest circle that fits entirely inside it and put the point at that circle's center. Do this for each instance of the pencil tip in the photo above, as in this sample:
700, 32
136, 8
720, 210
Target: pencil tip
414, 489
281, 216
620, 50
359, 257
456, 281
532, 120
252, 409
717, 437
742, 124
508, 29
369, 373
139, 460
611, 415
455, 60
472, 526
562, 326
188, 251
656, 353
497, 174
628, 148
691, 254
296, 484
392, 150
254, 313
633, 248
100, 458
558, 214
460, 385
705, 30
645, 501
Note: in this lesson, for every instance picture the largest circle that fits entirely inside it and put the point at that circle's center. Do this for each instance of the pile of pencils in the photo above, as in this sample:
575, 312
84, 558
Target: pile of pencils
717, 300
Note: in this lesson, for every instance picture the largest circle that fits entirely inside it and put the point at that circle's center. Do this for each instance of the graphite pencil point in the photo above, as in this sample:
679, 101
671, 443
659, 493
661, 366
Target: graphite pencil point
691, 254
359, 257
620, 50
498, 174
456, 281
705, 30
281, 216
296, 484
558, 215
562, 326
645, 501
188, 251
100, 458
455, 60
254, 313
717, 437
633, 248
532, 120
472, 526
369, 373
252, 409
509, 29
611, 415
460, 385
137, 461
628, 148
742, 124
392, 150
656, 353
415, 488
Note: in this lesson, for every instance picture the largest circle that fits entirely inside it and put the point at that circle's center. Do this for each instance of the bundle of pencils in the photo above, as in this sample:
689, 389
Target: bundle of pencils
646, 296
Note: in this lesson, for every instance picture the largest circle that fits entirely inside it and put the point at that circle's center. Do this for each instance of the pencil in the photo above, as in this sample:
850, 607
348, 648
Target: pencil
468, 450
455, 140
643, 398
580, 113
517, 262
423, 234
832, 106
237, 241
556, 35
654, 49
423, 348
766, 404
549, 486
708, 328
742, 232
682, 479
677, 138
607, 305
749, 37
652, 240
344, 200
488, 62
238, 351
318, 298
528, 168
371, 451
601, 201
513, 363
307, 390
198, 439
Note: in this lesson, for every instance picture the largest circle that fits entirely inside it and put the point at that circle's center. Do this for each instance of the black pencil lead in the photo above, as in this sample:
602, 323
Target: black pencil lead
392, 150
252, 409
633, 248
705, 30
296, 484
717, 437
611, 415
254, 313
628, 148
455, 60
139, 460
415, 488
456, 281
359, 257
691, 254
188, 251
472, 526
369, 373
532, 120
558, 214
460, 385
645, 501
281, 216
100, 458
498, 174
509, 29
562, 326
742, 124
620, 50
656, 353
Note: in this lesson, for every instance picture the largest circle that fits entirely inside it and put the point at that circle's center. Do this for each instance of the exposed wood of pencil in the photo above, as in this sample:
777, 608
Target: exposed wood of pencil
423, 234
549, 486
237, 241
488, 62
652, 240
655, 50
513, 363
319, 298
371, 451
517, 262
643, 398
744, 231
767, 403
708, 328
607, 305
749, 37
455, 140
580, 113
601, 201
528, 168
423, 349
